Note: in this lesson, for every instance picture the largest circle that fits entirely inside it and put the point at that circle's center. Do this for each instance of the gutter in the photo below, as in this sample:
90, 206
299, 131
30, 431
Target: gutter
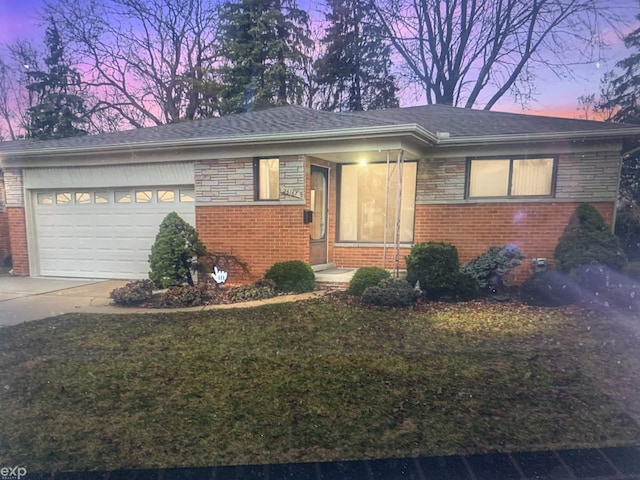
537, 137
295, 137
414, 130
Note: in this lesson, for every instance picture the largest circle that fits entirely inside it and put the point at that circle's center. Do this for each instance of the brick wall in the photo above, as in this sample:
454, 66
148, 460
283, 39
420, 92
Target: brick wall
5, 244
18, 239
472, 228
260, 235
14, 196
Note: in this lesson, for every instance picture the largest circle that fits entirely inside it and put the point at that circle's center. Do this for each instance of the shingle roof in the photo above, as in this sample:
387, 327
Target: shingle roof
458, 122
465, 122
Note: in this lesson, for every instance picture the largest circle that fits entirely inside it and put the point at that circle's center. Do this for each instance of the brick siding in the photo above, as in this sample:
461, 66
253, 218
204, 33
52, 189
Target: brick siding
534, 227
259, 235
5, 244
18, 239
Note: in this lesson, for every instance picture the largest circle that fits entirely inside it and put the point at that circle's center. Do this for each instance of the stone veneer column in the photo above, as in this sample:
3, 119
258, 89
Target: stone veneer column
15, 210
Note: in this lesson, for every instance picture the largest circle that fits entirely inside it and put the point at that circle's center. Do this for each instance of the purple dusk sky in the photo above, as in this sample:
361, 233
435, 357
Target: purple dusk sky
19, 19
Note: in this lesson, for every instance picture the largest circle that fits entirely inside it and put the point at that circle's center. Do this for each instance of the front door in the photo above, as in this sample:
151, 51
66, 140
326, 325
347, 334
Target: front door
319, 202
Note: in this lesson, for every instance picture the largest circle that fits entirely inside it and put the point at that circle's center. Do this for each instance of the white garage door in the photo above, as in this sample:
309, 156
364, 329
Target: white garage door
103, 233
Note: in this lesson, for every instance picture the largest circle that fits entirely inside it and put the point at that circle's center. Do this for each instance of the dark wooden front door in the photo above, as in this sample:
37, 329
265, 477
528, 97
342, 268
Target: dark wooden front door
319, 202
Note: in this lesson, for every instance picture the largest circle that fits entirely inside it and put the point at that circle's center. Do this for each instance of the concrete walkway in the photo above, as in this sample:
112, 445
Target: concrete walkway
24, 299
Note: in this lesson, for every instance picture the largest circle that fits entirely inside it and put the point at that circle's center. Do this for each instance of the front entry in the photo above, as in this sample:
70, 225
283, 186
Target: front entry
319, 204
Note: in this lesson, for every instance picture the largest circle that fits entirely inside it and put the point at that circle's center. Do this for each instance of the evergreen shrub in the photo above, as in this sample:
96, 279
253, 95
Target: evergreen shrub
628, 231
366, 277
633, 270
133, 293
390, 292
436, 266
260, 290
184, 296
587, 240
549, 289
490, 268
293, 276
175, 253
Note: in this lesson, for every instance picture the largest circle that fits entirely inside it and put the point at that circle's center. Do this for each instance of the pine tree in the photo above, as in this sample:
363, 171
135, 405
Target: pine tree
622, 95
354, 72
58, 109
262, 43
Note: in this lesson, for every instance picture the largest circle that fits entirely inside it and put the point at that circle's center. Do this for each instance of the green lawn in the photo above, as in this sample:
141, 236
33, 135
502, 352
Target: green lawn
308, 381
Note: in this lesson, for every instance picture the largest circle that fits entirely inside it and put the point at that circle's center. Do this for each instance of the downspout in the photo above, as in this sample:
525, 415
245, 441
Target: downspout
386, 210
396, 259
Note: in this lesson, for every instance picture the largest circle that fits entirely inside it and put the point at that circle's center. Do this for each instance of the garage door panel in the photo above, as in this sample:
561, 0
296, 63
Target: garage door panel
101, 240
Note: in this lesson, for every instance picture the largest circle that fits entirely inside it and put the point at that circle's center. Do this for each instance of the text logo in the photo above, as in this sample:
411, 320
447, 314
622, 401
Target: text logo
12, 473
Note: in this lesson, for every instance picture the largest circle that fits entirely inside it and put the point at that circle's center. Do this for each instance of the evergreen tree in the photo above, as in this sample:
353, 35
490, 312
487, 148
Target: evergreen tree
624, 94
58, 109
354, 72
262, 43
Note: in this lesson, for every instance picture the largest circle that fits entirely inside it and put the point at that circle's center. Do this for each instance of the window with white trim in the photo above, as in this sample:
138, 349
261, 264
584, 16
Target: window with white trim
511, 177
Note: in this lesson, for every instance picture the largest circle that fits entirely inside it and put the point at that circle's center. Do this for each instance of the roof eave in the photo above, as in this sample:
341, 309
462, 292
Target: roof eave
540, 137
412, 130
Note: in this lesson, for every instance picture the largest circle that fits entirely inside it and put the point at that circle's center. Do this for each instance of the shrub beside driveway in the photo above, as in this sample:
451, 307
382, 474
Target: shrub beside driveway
316, 380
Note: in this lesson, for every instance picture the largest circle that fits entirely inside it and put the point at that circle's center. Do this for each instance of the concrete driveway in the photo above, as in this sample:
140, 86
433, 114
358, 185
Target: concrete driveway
32, 298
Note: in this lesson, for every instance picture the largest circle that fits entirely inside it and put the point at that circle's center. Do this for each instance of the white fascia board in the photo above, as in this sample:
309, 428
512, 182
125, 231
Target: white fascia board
540, 137
212, 145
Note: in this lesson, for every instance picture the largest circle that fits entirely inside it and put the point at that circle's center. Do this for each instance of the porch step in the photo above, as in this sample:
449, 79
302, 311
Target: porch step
334, 278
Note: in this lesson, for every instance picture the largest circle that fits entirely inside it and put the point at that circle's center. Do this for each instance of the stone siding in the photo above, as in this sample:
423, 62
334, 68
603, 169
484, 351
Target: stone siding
582, 177
231, 181
14, 187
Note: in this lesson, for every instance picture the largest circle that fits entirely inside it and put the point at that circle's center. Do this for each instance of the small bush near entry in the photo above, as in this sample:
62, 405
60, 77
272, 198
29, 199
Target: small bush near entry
175, 253
133, 293
292, 276
260, 290
549, 289
587, 240
184, 296
390, 292
490, 268
366, 277
435, 265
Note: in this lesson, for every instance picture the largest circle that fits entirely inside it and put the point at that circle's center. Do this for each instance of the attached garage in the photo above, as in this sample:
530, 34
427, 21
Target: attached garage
82, 225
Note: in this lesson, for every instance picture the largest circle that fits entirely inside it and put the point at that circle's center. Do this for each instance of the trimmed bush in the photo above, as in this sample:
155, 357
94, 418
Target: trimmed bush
549, 289
292, 276
633, 270
133, 293
490, 268
184, 296
260, 290
175, 253
628, 231
435, 265
390, 292
587, 240
366, 277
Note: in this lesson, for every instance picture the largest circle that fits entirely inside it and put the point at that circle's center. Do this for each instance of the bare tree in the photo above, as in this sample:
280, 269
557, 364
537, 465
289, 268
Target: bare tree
15, 99
473, 52
146, 62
